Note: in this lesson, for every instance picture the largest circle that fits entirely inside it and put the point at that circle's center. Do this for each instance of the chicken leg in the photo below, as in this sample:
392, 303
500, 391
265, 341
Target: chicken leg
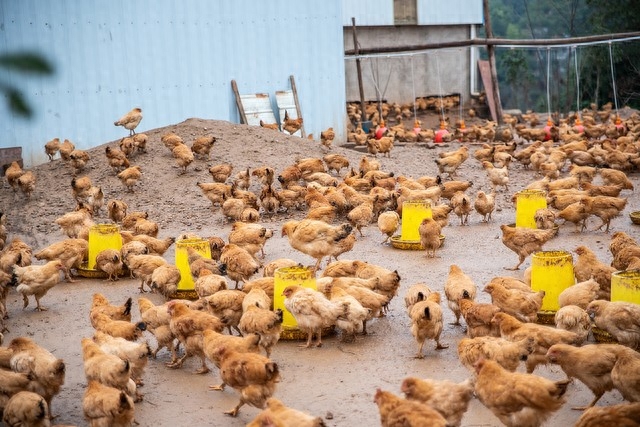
517, 267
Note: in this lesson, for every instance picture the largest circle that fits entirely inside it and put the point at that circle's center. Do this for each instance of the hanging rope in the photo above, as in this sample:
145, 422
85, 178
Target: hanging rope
413, 84
375, 77
548, 79
439, 87
575, 57
613, 79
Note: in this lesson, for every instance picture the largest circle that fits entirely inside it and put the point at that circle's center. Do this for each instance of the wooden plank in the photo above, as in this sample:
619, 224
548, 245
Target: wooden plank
485, 73
243, 117
295, 98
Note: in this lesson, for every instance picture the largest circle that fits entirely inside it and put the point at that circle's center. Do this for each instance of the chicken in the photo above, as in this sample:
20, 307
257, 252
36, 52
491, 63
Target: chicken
107, 406
269, 200
127, 146
291, 125
118, 328
78, 160
544, 337
518, 399
221, 172
108, 369
497, 176
157, 319
429, 231
27, 183
242, 180
327, 137
397, 412
13, 172
576, 213
625, 377
187, 326
52, 147
215, 192
251, 237
265, 174
101, 305
485, 204
523, 305
117, 159
116, 210
156, 246
615, 177
131, 120
335, 162
71, 252
580, 294
66, 147
165, 279
462, 206
622, 415
524, 241
264, 322
277, 414
240, 264
16, 252
507, 353
574, 319
226, 305
253, 375
198, 262
209, 283
315, 238
353, 320
214, 341
313, 311
591, 364
449, 164
142, 266
77, 223
36, 280
184, 157
426, 322
621, 319
545, 218
478, 318
458, 286
272, 126
130, 177
451, 400
136, 353
26, 408
202, 146
388, 223
47, 371
605, 208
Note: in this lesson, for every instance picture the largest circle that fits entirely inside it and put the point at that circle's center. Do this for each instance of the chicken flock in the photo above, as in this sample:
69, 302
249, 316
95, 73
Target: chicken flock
327, 205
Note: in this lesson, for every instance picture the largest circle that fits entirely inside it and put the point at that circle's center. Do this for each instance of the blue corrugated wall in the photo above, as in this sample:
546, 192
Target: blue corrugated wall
173, 59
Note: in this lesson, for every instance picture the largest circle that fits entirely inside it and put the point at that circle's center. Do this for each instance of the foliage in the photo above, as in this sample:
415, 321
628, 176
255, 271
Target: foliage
25, 63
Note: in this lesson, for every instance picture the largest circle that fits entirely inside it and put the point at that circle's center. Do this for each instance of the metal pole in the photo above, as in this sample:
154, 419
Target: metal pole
356, 49
492, 62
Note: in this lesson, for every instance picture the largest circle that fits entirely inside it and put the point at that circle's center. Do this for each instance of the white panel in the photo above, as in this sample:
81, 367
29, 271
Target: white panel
450, 12
367, 12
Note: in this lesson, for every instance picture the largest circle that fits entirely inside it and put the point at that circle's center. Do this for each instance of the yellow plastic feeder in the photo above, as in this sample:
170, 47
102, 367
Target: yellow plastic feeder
413, 212
527, 203
625, 286
289, 276
101, 237
551, 272
201, 246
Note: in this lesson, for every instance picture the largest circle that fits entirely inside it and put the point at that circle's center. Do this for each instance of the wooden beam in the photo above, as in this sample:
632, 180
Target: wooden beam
491, 50
243, 116
295, 99
358, 66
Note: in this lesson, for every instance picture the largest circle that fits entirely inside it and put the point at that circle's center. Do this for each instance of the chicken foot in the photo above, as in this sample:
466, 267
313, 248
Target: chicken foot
234, 412
593, 402
517, 267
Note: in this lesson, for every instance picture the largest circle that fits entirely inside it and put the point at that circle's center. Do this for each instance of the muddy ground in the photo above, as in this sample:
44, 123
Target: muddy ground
336, 381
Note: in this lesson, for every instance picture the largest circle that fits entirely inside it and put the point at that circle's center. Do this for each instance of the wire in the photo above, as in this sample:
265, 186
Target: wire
413, 83
613, 79
548, 78
439, 86
575, 58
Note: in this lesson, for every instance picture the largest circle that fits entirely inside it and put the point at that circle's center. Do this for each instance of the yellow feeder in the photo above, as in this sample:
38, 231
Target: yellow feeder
182, 260
527, 203
413, 212
101, 237
288, 276
625, 286
552, 272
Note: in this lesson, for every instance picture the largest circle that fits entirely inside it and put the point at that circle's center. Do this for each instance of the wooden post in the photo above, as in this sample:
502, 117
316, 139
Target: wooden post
295, 99
243, 116
492, 63
356, 49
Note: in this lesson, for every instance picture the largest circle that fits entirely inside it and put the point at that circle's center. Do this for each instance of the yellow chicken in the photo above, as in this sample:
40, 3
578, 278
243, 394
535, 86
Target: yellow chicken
131, 120
458, 286
388, 223
485, 204
184, 157
426, 322
52, 147
130, 177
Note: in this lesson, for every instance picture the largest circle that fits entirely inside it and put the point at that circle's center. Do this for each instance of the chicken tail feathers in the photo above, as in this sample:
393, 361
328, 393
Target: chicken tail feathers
127, 307
14, 280
280, 314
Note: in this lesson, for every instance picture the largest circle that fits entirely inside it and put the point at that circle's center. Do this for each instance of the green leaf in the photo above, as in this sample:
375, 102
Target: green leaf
17, 103
26, 63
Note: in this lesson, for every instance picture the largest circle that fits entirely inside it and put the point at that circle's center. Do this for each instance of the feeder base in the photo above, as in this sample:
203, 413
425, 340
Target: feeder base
188, 294
295, 334
603, 337
85, 271
411, 245
546, 317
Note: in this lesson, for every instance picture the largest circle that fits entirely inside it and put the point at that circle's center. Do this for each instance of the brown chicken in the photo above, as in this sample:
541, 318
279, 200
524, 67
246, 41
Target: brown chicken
107, 406
142, 267
117, 328
76, 224
116, 210
621, 415
388, 223
497, 176
314, 238
574, 319
130, 177
16, 252
605, 208
202, 146
253, 375
449, 164
52, 147
397, 412
272, 126
157, 319
615, 177
251, 237
523, 305
226, 305
451, 400
591, 364
507, 353
577, 214
312, 311
327, 137
426, 322
240, 264
544, 337
198, 262
478, 317
485, 204
291, 125
36, 280
26, 408
117, 159
136, 353
108, 369
13, 172
66, 147
429, 231
264, 322
458, 286
221, 172
209, 283
524, 241
110, 262
27, 183
78, 159
215, 192
621, 319
214, 341
47, 370
101, 305
130, 121
187, 326
580, 294
184, 157
335, 162
277, 414
588, 266
626, 374
165, 279
71, 252
518, 399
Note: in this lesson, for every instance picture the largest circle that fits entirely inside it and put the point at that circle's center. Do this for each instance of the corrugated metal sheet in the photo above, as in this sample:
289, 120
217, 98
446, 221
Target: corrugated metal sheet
430, 12
174, 60
450, 12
